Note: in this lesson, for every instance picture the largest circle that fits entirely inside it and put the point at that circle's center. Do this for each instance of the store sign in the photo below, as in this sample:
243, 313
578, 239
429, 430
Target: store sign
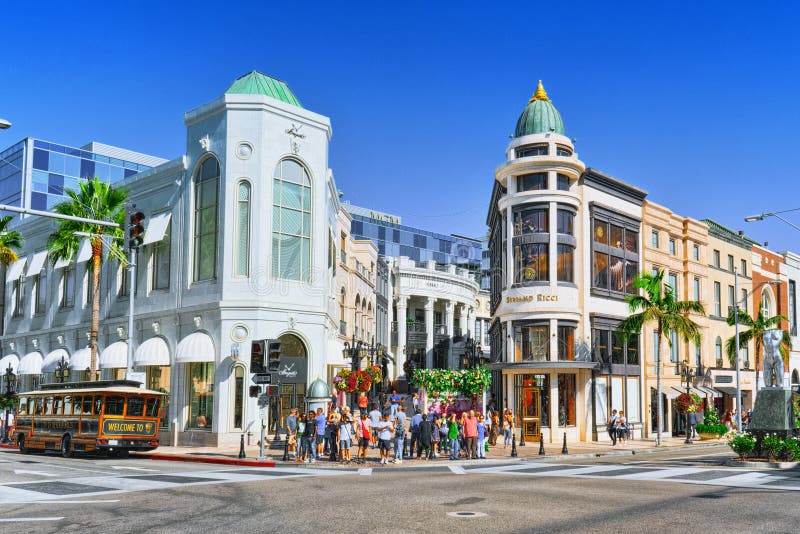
291, 371
123, 427
532, 298
723, 379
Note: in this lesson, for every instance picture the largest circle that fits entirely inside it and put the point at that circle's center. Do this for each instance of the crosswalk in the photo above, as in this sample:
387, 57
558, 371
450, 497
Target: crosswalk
721, 476
99, 486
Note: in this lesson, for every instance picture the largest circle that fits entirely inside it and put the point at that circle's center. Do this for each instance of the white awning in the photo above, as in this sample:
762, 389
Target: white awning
15, 271
710, 392
31, 364
196, 347
85, 251
114, 356
157, 228
81, 360
154, 351
37, 262
11, 359
60, 264
52, 360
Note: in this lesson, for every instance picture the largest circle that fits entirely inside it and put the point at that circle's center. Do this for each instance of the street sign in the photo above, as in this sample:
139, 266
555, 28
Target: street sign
263, 401
262, 378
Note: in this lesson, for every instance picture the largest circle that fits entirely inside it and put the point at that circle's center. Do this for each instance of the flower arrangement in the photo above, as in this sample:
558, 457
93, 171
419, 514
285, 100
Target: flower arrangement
468, 381
350, 381
375, 372
340, 380
688, 403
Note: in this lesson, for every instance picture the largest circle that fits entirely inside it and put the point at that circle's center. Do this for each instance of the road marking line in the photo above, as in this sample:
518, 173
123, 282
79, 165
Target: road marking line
40, 473
133, 468
22, 519
457, 469
365, 471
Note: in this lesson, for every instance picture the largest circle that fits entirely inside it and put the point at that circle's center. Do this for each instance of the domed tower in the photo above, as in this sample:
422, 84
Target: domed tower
537, 265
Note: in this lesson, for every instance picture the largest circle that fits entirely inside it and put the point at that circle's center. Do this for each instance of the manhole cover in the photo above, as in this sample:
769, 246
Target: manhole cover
466, 514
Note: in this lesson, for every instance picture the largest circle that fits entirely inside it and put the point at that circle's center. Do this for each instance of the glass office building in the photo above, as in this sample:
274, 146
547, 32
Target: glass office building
35, 173
394, 239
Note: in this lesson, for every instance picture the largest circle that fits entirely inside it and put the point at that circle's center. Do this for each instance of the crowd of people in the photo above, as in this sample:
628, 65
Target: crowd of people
397, 435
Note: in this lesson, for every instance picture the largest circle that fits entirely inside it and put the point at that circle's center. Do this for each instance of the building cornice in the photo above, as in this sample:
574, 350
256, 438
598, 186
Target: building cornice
608, 184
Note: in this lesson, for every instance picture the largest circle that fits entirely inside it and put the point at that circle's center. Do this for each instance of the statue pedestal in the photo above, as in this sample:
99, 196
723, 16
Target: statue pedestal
773, 411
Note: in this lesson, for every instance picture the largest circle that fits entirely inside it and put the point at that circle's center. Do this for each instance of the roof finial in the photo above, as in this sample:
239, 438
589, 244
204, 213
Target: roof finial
540, 93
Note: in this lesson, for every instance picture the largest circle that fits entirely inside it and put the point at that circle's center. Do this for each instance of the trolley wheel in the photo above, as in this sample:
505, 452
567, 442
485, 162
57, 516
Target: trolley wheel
23, 449
66, 446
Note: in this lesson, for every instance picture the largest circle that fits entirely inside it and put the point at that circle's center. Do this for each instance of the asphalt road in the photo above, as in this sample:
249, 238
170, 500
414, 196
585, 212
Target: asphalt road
665, 492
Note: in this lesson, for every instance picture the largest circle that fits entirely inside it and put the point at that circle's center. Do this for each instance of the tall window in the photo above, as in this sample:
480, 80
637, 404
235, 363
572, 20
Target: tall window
566, 342
40, 292
530, 263
123, 278
161, 260
698, 358
766, 304
730, 263
656, 341
697, 289
731, 299
206, 220
717, 299
745, 356
532, 182
695, 252
532, 343
291, 222
242, 262
67, 287
238, 397
718, 351
201, 395
716, 259
672, 247
673, 349
792, 308
566, 246
743, 303
608, 346
531, 221
566, 400
654, 238
19, 297
615, 252
563, 182
743, 267
672, 281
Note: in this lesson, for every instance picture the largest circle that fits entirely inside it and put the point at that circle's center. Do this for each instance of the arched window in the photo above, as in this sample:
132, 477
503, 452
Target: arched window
766, 304
242, 254
795, 379
342, 317
292, 346
356, 314
206, 220
238, 396
291, 222
718, 351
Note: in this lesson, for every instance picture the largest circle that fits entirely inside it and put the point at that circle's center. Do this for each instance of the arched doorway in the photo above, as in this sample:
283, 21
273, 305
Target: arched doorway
291, 377
795, 384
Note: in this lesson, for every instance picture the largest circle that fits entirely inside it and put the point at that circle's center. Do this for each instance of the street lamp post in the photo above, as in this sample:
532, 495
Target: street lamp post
473, 352
62, 370
10, 380
356, 350
687, 375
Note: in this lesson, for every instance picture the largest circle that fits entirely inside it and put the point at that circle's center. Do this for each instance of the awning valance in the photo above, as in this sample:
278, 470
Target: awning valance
154, 351
9, 359
85, 251
196, 347
709, 392
60, 264
81, 360
157, 228
115, 356
52, 360
15, 271
37, 262
731, 391
31, 364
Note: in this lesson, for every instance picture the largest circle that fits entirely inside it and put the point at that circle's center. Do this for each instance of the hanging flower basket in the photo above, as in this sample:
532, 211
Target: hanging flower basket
340, 381
375, 372
688, 403
467, 381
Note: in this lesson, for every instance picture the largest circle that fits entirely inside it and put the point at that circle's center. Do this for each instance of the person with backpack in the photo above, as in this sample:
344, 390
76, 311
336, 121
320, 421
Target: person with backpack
364, 435
399, 434
613, 422
415, 421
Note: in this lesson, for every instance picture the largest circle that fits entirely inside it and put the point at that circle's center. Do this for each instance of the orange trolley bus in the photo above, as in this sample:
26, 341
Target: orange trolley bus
113, 416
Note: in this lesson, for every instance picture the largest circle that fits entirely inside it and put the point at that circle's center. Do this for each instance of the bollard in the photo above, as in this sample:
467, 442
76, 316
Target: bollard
541, 444
286, 449
241, 447
521, 436
277, 432
513, 445
564, 448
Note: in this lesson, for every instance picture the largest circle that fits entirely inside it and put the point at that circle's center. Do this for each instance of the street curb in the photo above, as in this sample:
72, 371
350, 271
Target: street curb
8, 446
206, 460
631, 452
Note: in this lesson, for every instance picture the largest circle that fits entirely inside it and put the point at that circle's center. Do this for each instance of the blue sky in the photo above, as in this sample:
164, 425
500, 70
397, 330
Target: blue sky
697, 104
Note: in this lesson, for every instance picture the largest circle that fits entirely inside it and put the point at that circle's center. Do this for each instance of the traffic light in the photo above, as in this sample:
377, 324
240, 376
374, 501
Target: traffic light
257, 351
136, 230
274, 351
255, 391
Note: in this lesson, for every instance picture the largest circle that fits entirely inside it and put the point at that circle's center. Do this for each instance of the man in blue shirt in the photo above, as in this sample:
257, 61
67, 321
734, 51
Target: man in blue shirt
415, 421
395, 400
322, 423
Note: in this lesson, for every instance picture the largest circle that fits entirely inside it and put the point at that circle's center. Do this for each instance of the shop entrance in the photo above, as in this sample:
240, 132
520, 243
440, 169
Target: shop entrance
529, 410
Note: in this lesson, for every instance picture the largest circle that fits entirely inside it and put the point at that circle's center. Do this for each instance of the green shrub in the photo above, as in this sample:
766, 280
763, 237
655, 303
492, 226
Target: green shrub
790, 450
771, 446
706, 428
742, 444
711, 417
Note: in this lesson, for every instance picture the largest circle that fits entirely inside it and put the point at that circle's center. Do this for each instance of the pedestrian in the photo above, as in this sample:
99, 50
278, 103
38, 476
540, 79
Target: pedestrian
291, 432
334, 402
363, 401
385, 433
508, 428
622, 428
399, 434
481, 437
469, 425
692, 423
345, 438
415, 421
321, 426
613, 422
332, 431
727, 420
395, 400
415, 403
452, 435
494, 430
435, 436
301, 431
444, 444
363, 432
425, 438
309, 438
375, 417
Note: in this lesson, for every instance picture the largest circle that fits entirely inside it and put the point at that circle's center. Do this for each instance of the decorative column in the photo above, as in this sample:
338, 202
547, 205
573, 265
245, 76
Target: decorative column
400, 355
462, 319
450, 309
429, 333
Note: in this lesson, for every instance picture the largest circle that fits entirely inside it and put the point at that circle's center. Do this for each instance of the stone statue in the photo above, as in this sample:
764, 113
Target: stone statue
773, 360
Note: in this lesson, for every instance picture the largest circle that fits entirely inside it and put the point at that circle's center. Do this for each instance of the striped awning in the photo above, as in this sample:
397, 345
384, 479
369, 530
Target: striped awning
154, 351
52, 360
81, 360
196, 347
115, 356
9, 359
31, 364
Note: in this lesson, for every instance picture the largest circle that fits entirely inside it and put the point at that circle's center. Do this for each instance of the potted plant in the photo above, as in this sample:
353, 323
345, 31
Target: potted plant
711, 431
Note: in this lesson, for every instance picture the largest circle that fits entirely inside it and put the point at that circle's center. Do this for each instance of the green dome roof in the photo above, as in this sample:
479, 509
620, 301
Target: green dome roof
257, 83
539, 116
318, 389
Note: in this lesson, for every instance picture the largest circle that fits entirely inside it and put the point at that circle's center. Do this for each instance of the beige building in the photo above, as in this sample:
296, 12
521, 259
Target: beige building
679, 246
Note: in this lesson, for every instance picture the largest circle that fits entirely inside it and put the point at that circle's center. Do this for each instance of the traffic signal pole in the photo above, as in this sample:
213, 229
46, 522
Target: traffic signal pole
131, 289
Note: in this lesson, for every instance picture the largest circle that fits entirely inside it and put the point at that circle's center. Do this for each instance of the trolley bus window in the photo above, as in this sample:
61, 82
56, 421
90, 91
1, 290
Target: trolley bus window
58, 402
23, 406
67, 405
87, 405
39, 405
98, 404
115, 405
48, 406
152, 406
76, 405
135, 406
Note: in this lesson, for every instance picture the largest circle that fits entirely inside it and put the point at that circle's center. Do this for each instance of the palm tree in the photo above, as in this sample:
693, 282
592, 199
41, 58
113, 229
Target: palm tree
95, 200
755, 331
658, 305
9, 241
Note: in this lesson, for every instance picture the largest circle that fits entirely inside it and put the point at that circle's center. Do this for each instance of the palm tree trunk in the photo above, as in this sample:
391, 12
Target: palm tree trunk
659, 403
97, 251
